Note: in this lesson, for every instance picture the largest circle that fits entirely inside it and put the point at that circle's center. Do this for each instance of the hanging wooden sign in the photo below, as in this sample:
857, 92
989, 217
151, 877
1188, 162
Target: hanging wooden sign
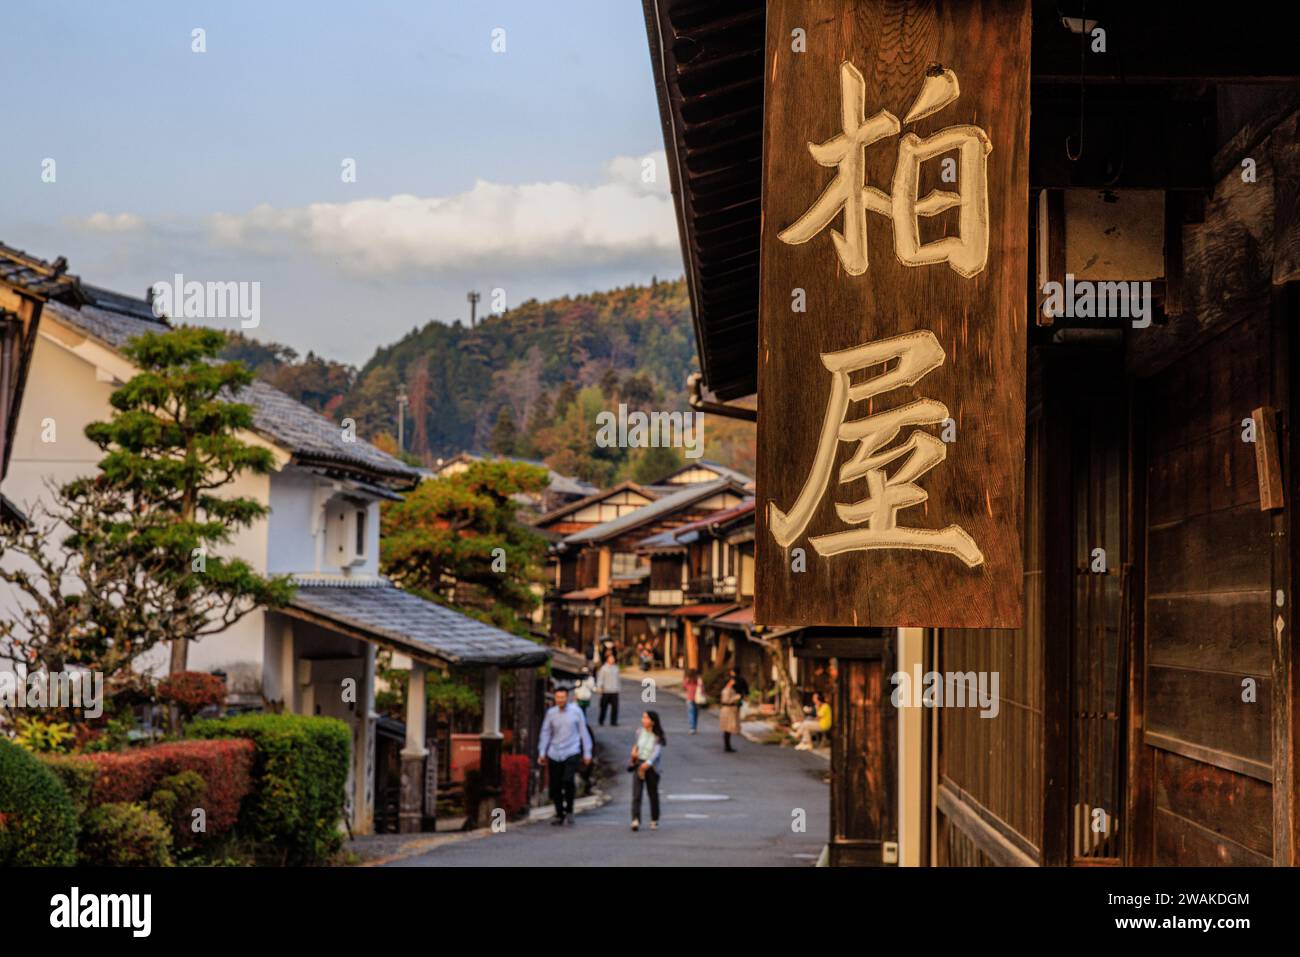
892, 313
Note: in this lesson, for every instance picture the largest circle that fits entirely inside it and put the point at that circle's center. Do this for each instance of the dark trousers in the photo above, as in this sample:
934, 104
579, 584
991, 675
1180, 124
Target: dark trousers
561, 781
651, 784
609, 702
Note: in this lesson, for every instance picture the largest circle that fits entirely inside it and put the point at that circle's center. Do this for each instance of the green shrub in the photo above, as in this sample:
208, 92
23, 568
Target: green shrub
175, 799
125, 835
38, 825
76, 776
299, 777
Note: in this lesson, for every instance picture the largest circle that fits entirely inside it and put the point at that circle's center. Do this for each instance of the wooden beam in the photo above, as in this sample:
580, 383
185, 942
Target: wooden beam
1268, 468
988, 838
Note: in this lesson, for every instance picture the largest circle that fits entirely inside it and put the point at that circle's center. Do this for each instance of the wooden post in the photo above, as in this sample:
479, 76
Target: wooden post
490, 753
411, 802
364, 760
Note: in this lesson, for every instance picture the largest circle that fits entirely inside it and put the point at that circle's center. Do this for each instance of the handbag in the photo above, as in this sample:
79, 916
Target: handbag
701, 699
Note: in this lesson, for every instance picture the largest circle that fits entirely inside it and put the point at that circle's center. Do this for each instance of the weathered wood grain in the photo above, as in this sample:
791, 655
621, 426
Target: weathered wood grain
980, 322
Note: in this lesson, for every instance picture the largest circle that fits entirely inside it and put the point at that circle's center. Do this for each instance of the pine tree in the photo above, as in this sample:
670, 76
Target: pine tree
171, 444
505, 435
653, 463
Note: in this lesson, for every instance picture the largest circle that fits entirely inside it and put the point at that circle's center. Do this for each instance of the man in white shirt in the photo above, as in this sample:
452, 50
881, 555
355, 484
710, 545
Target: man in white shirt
608, 684
563, 742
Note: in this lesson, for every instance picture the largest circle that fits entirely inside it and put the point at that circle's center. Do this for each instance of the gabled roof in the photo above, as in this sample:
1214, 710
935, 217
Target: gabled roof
723, 471
681, 536
570, 507
378, 611
303, 432
689, 495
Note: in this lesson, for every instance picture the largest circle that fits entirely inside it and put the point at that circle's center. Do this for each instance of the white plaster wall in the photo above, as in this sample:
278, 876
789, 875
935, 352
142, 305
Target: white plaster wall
296, 531
291, 547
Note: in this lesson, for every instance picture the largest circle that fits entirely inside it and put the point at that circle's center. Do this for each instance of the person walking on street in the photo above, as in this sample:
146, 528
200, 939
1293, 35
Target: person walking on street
646, 767
584, 689
819, 723
564, 742
729, 713
607, 681
692, 687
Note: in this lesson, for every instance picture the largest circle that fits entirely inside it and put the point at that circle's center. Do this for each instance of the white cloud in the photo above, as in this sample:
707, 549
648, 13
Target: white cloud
626, 219
108, 223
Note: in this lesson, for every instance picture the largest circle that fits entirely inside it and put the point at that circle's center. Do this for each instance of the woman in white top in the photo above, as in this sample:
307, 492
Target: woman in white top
646, 767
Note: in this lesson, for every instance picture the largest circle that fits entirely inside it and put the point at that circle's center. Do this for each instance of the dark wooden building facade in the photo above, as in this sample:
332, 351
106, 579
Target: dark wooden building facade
1148, 704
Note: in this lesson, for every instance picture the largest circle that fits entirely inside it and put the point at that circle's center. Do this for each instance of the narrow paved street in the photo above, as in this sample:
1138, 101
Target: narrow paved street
718, 809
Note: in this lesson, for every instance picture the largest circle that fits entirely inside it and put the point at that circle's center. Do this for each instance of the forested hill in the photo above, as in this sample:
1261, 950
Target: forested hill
528, 383
531, 361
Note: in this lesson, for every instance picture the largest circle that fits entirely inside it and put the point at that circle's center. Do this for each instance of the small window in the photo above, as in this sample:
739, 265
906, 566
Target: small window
361, 533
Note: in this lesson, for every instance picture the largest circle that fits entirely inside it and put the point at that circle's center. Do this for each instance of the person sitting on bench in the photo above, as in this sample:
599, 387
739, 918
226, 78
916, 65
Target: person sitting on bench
818, 724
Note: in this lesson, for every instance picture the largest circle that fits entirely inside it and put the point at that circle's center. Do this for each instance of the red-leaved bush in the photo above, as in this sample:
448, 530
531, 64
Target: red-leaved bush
514, 783
192, 691
224, 764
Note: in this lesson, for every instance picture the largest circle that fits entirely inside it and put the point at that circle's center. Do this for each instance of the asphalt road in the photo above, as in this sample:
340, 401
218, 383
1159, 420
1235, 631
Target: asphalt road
718, 809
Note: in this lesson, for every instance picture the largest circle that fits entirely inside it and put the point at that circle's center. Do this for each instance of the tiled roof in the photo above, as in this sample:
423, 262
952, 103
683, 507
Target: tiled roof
37, 277
285, 421
691, 611
688, 495
390, 616
683, 535
310, 435
738, 618
585, 594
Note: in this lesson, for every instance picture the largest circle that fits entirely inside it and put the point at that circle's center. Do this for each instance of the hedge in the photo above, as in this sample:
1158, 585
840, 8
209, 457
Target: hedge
133, 777
125, 835
299, 777
77, 777
38, 826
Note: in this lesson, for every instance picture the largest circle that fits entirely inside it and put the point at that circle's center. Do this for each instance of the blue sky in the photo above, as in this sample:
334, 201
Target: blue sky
537, 170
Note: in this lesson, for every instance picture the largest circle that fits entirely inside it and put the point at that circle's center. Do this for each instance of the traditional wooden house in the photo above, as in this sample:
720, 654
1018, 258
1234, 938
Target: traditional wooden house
595, 509
1141, 628
603, 582
698, 571
322, 530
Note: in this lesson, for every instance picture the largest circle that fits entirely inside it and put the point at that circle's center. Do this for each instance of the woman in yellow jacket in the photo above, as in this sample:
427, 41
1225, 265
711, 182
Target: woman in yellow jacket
820, 722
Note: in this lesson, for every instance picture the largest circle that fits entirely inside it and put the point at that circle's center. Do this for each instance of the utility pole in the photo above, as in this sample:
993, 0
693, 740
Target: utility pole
402, 403
473, 298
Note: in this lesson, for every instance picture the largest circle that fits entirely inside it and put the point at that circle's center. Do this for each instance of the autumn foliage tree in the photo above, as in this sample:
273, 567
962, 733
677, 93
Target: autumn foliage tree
457, 540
